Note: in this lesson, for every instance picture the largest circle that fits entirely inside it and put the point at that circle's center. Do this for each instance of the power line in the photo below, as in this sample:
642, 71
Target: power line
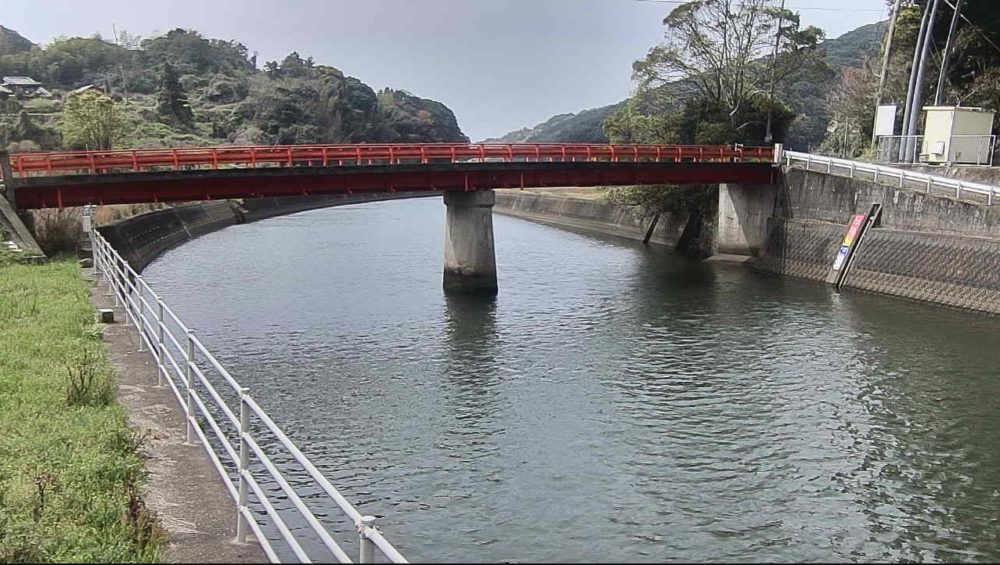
974, 26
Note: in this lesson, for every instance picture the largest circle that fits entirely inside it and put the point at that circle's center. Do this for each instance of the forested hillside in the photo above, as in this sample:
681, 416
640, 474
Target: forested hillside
183, 89
806, 96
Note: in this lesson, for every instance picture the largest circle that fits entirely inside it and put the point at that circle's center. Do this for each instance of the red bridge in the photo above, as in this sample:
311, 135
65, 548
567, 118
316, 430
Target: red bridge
55, 180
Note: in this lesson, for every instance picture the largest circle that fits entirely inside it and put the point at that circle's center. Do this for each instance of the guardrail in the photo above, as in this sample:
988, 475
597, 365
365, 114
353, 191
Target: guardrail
138, 160
233, 438
880, 174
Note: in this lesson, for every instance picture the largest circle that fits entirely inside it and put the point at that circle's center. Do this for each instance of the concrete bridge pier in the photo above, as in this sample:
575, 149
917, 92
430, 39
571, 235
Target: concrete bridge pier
743, 213
469, 258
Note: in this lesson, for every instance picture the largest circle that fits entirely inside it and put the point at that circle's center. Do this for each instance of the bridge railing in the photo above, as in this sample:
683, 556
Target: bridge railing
900, 178
140, 160
242, 441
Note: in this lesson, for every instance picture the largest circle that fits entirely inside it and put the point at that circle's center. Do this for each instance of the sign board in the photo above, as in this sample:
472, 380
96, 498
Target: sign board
885, 120
845, 247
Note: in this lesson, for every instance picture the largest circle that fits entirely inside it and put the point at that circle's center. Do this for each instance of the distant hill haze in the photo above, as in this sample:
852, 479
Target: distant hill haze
806, 97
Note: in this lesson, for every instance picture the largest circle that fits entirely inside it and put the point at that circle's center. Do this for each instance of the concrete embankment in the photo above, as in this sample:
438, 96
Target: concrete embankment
142, 238
929, 248
588, 211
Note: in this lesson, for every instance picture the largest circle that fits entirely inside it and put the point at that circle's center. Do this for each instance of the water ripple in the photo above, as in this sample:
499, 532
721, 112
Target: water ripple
613, 403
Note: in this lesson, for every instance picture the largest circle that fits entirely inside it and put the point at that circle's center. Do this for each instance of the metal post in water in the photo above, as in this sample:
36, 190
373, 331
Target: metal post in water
367, 552
242, 527
190, 387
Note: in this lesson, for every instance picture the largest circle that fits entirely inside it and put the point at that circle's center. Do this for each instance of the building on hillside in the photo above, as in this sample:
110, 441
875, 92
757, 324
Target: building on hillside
5, 93
87, 88
24, 87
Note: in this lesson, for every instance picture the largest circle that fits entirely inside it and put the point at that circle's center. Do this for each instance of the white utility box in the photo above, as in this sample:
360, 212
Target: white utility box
953, 134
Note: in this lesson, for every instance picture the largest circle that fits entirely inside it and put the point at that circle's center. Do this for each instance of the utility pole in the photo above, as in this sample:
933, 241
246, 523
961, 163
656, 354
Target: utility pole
918, 88
768, 137
939, 95
885, 62
918, 48
121, 70
888, 51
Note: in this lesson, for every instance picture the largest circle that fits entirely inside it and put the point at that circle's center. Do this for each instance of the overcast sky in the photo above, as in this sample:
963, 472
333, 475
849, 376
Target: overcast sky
498, 64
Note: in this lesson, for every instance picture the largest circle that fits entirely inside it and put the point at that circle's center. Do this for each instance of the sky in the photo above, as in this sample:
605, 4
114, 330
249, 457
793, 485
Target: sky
500, 65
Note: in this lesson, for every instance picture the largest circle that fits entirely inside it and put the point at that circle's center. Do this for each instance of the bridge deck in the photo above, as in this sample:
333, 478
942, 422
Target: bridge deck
163, 175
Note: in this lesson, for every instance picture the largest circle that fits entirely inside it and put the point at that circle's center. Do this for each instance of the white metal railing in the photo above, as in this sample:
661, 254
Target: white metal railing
899, 148
231, 437
900, 178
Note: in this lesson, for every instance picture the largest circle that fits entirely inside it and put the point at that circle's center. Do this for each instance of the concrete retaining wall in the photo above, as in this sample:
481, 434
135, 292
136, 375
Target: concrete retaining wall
928, 248
592, 215
142, 238
817, 196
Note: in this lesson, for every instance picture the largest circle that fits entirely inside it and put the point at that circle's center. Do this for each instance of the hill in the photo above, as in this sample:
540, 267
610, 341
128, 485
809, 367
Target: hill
11, 42
806, 97
228, 98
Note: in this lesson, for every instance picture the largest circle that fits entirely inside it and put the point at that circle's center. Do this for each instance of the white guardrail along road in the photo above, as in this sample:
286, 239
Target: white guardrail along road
241, 441
900, 178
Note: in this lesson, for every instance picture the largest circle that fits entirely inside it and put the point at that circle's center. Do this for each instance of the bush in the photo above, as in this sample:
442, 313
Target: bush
58, 231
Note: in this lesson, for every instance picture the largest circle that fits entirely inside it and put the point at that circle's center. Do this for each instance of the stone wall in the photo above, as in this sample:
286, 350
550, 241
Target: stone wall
962, 272
799, 248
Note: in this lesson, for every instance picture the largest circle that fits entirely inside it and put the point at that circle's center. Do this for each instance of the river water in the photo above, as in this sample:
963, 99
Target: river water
613, 403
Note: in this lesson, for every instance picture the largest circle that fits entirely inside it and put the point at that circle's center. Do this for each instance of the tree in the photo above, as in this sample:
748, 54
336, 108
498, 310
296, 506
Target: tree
723, 50
172, 102
92, 121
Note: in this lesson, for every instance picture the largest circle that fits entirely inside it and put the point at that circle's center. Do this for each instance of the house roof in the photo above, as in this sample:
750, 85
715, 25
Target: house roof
83, 89
20, 81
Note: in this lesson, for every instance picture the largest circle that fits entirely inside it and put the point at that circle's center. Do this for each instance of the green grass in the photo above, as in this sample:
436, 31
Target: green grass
69, 463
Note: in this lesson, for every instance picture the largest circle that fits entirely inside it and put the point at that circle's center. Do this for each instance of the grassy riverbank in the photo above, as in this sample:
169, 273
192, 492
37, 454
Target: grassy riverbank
69, 463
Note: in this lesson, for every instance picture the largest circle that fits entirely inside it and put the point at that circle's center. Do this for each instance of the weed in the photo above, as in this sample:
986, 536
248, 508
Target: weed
58, 231
70, 466
88, 384
141, 521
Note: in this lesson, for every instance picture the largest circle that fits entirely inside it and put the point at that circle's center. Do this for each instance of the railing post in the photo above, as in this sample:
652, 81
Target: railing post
367, 552
160, 367
989, 197
929, 181
242, 527
190, 387
141, 321
958, 190
877, 169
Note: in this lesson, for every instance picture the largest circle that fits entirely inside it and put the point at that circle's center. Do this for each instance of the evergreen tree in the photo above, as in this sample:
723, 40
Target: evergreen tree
172, 101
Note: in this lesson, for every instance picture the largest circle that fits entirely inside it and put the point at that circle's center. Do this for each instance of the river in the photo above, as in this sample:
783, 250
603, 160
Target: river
612, 403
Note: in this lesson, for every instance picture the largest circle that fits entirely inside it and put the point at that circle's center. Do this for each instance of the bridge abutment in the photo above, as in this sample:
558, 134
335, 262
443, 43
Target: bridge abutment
469, 256
743, 213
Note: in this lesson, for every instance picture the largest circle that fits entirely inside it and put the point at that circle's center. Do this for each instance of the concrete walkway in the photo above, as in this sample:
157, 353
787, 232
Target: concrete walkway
183, 487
